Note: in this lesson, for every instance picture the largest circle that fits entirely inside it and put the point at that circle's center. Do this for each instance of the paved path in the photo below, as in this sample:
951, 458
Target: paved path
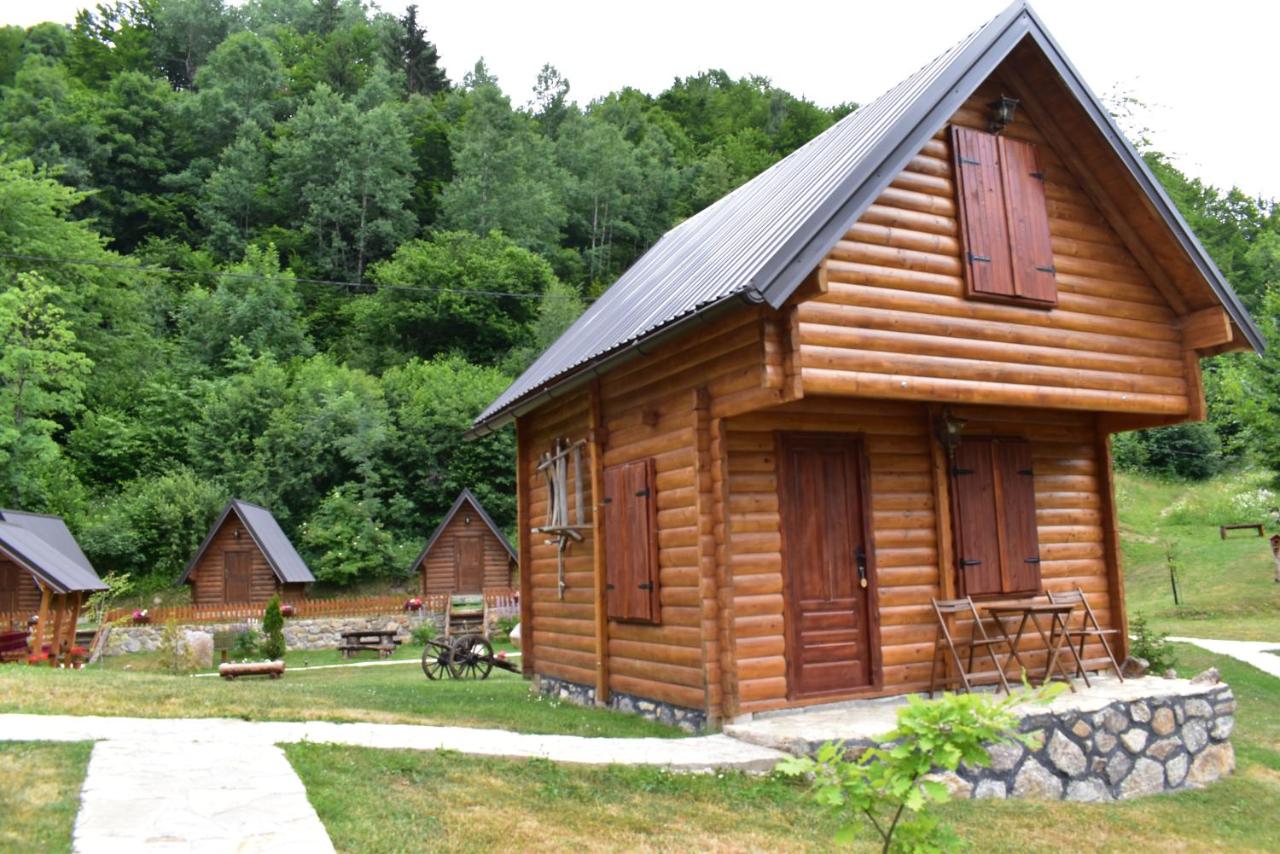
1250, 652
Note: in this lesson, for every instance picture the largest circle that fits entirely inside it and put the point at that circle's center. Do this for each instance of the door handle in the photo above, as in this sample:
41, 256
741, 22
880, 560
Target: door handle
860, 557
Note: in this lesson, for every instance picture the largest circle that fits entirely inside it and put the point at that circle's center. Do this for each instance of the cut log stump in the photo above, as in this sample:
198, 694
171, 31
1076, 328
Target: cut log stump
232, 670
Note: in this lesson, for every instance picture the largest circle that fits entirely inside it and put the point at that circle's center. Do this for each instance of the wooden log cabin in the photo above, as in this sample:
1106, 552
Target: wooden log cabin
245, 560
43, 573
885, 370
466, 553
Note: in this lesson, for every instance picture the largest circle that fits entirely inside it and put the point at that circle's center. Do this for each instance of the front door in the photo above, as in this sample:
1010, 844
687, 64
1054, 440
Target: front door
832, 630
468, 551
237, 578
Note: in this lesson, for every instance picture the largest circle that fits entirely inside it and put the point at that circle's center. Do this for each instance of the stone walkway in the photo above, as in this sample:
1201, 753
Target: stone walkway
1260, 655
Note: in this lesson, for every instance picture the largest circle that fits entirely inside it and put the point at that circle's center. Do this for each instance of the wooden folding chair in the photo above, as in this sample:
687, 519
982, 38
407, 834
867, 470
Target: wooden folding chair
978, 640
1089, 628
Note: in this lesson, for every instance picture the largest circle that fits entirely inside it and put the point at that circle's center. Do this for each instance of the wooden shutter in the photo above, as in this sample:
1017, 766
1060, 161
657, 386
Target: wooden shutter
1020, 537
983, 223
631, 542
973, 497
1031, 248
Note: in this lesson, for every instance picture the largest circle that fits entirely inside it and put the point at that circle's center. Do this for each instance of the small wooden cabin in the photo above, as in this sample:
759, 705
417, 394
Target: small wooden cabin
466, 553
43, 572
246, 559
885, 370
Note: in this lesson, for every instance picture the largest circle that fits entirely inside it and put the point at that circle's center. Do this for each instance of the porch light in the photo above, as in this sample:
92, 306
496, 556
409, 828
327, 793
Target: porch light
1002, 112
948, 429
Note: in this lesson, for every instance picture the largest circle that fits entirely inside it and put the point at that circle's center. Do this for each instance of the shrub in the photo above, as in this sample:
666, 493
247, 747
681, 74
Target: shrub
1191, 451
505, 625
175, 654
273, 626
1151, 645
1243, 497
426, 631
245, 644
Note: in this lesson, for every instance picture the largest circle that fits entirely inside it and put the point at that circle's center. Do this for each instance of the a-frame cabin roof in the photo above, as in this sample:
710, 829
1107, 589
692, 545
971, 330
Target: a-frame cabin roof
758, 243
45, 547
464, 497
270, 539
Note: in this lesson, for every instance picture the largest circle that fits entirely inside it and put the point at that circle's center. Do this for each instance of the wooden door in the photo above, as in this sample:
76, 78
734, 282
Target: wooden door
10, 580
832, 623
468, 556
237, 576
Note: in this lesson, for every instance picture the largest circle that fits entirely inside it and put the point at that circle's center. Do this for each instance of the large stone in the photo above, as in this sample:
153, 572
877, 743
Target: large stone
200, 646
1005, 756
1222, 727
1104, 741
1176, 769
1147, 778
1225, 708
1066, 755
1081, 729
1118, 766
1088, 791
1134, 667
1134, 740
1195, 735
1036, 782
990, 789
1215, 761
1162, 722
1164, 748
1140, 712
1112, 720
1197, 708
1207, 677
958, 787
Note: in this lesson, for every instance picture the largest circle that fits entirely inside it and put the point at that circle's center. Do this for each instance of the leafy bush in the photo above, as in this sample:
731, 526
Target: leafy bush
1241, 498
506, 624
1190, 451
426, 631
175, 654
890, 786
273, 626
245, 644
1151, 645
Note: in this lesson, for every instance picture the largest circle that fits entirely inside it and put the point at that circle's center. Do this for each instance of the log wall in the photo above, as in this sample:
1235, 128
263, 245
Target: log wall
208, 575
437, 571
28, 593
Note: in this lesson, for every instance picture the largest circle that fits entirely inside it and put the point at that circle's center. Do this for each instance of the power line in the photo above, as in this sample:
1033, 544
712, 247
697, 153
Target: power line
261, 277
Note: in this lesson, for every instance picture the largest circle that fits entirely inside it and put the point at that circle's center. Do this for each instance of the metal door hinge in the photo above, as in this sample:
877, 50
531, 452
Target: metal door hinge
976, 258
648, 585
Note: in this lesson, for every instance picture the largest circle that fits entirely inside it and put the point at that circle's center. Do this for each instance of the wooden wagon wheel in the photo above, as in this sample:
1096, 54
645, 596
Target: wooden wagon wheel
435, 659
472, 658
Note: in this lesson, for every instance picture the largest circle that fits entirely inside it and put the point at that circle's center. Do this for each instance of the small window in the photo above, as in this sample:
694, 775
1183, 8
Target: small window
1004, 219
994, 501
631, 542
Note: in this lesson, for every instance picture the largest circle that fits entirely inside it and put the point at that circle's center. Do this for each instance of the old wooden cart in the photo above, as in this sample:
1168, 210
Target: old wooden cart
466, 657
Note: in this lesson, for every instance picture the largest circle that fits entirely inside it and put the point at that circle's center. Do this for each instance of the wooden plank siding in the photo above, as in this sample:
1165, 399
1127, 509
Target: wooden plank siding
25, 595
208, 575
437, 571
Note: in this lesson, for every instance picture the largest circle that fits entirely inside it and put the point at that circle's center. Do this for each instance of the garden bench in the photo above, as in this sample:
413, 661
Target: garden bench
382, 641
234, 670
1247, 526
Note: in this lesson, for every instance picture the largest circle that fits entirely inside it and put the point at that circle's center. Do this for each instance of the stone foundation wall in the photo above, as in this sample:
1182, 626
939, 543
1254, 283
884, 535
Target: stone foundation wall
1126, 750
319, 633
689, 720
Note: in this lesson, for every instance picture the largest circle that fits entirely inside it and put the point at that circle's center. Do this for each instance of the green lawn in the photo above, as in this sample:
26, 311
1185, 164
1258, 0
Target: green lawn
397, 693
41, 794
389, 801
1227, 586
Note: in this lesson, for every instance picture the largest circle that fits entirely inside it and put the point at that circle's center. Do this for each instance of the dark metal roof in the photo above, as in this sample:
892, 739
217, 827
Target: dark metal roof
464, 497
44, 546
759, 242
281, 556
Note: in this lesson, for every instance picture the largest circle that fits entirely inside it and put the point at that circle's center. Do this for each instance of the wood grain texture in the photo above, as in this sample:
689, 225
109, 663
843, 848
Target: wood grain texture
208, 577
484, 561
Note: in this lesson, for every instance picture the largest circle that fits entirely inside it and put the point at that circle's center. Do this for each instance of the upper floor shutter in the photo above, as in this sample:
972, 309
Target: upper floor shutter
631, 542
1028, 216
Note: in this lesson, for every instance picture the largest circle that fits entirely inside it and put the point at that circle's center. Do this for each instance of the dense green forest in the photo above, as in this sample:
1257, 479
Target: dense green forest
271, 250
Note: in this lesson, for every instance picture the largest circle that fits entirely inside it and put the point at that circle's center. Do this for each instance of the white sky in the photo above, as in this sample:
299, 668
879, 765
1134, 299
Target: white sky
1203, 74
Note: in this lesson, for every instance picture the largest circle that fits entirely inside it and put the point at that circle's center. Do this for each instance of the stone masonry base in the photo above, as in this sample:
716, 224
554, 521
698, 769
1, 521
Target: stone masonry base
689, 720
316, 633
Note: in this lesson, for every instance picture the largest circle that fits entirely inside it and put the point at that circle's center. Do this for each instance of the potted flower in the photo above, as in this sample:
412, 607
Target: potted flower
414, 604
286, 610
141, 617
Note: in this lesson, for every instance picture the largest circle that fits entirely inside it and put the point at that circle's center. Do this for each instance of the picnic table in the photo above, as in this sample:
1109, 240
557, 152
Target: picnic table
382, 641
1054, 641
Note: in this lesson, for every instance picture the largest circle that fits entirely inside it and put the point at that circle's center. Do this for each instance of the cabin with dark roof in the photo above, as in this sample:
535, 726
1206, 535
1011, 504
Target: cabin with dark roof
467, 553
885, 370
246, 559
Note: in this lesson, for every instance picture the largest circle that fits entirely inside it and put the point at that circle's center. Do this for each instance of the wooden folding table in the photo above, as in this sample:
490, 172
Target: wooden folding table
1054, 641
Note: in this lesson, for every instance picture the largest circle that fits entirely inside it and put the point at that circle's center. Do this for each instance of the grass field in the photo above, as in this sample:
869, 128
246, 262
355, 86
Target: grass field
1227, 587
372, 800
41, 795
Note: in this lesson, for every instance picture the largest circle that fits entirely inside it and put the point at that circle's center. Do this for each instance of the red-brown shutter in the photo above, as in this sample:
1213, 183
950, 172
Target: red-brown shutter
631, 542
983, 224
1021, 552
1028, 221
973, 496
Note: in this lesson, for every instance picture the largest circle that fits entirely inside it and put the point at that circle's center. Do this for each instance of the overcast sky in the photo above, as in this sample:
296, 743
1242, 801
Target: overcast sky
1206, 77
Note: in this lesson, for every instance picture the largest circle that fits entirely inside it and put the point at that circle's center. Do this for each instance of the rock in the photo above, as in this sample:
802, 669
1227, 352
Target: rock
1171, 674
1104, 741
1179, 715
1162, 722
1036, 782
1081, 729
1227, 708
1134, 667
1134, 740
1164, 748
515, 636
1035, 740
990, 789
1118, 766
1176, 769
1112, 719
1207, 677
200, 645
1097, 765
1140, 712
1198, 709
1066, 755
1194, 735
1004, 756
957, 787
1216, 761
1088, 791
1222, 727
1147, 778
